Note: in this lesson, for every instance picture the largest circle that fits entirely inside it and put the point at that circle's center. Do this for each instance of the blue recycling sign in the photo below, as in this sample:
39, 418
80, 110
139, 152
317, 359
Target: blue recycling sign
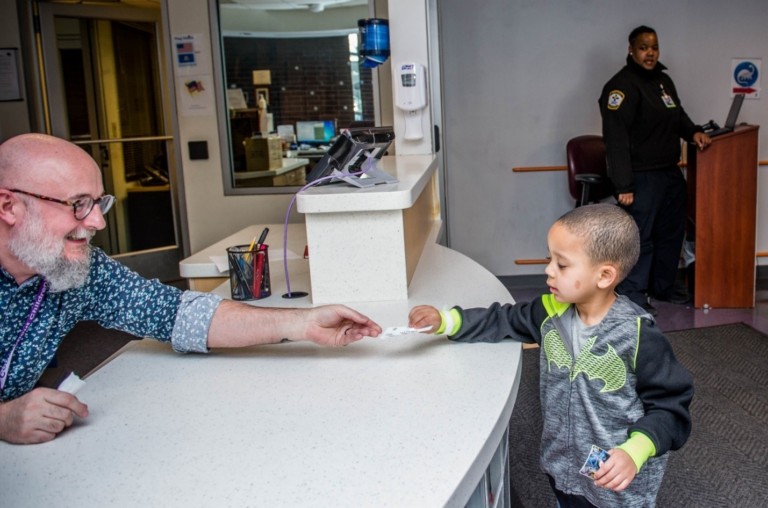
746, 76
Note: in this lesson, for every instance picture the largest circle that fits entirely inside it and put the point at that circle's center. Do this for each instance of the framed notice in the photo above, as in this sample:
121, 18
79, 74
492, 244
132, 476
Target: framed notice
10, 82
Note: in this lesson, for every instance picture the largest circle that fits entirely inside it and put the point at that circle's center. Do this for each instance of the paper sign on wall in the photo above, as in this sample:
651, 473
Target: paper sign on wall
195, 95
190, 55
9, 76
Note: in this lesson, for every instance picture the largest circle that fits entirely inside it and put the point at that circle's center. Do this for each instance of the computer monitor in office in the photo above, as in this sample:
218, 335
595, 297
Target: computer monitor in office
315, 132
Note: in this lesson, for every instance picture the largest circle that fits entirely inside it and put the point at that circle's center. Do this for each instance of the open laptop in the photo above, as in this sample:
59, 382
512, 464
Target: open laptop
733, 115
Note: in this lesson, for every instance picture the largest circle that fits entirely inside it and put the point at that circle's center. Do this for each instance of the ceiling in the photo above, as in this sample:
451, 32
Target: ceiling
145, 4
279, 5
263, 5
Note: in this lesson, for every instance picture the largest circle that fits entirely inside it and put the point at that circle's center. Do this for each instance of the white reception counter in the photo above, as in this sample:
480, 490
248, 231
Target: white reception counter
409, 421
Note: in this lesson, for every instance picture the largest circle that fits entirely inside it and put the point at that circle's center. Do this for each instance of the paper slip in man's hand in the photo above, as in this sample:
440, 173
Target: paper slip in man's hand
399, 331
71, 384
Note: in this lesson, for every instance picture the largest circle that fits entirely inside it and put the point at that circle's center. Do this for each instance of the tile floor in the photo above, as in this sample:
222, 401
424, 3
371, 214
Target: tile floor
677, 317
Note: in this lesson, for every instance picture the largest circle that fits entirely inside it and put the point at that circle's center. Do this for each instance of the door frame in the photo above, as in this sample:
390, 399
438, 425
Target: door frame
162, 262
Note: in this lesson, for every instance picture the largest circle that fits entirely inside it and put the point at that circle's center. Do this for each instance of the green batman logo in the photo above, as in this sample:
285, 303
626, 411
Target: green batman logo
556, 351
609, 367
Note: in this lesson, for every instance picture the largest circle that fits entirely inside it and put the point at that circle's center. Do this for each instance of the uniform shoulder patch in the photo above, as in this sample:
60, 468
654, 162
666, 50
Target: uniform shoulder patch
615, 98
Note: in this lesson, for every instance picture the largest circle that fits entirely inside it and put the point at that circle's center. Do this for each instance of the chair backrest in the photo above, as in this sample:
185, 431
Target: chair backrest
586, 155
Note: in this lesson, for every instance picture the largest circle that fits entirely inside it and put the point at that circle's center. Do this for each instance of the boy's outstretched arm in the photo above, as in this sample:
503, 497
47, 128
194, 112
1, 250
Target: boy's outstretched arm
520, 322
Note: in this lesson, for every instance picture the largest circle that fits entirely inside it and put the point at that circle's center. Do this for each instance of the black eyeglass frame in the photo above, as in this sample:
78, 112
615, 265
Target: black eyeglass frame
105, 203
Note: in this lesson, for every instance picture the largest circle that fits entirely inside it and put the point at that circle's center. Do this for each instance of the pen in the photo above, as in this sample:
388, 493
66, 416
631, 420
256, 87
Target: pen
262, 238
257, 244
258, 274
247, 255
258, 267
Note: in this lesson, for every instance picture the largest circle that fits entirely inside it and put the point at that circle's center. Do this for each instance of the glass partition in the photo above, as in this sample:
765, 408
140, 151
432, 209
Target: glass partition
288, 82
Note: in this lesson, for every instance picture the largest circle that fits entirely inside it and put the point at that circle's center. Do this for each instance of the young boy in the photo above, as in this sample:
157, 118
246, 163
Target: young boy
608, 375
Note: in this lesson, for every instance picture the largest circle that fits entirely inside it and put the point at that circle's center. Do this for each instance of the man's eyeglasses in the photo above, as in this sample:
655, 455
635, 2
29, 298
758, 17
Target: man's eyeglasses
80, 207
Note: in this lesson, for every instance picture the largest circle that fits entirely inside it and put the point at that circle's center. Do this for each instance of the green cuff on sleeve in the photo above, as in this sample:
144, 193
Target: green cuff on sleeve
450, 322
639, 447
441, 328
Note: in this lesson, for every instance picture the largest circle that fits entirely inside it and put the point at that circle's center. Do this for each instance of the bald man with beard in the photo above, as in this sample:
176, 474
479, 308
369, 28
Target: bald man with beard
52, 202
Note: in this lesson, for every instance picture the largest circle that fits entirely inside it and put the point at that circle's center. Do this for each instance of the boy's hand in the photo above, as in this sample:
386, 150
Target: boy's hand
617, 472
424, 315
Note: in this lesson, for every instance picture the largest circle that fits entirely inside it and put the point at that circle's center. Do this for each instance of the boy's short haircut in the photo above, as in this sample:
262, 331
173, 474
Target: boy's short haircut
610, 235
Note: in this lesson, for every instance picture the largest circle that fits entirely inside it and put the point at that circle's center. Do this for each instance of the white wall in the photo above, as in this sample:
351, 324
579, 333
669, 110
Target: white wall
520, 78
408, 42
236, 18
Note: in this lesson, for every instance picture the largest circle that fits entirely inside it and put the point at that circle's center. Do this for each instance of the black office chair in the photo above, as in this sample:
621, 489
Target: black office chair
587, 172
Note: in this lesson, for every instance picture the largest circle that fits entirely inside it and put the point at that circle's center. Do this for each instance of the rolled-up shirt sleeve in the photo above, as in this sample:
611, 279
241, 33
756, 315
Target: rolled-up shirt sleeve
193, 319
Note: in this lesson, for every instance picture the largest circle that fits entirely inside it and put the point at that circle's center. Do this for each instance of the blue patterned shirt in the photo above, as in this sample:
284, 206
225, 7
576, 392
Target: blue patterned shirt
113, 296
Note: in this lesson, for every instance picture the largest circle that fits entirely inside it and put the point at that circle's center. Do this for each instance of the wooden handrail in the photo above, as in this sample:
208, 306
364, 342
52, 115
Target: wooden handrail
533, 169
763, 254
539, 168
531, 261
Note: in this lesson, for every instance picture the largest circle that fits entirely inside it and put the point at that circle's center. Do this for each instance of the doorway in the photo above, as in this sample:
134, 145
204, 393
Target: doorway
102, 74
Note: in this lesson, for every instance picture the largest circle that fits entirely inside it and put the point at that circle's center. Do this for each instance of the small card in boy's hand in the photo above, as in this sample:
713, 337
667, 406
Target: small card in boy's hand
592, 464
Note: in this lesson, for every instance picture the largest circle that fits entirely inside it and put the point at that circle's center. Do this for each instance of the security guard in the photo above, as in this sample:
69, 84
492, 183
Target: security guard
643, 121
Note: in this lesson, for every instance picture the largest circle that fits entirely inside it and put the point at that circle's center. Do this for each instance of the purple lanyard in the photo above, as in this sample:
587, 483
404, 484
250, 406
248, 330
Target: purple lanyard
31, 317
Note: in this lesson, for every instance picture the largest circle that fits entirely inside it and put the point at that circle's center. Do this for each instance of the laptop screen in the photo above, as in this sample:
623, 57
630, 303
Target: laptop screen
733, 114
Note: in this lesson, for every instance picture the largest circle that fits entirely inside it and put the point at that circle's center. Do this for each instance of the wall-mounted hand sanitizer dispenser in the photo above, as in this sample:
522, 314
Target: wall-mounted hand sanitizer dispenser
411, 96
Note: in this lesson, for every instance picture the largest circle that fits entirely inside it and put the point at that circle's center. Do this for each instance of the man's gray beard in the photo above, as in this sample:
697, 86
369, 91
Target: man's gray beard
37, 249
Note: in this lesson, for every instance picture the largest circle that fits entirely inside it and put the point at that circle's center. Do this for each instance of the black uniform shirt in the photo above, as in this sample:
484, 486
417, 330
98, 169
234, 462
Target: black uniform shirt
643, 121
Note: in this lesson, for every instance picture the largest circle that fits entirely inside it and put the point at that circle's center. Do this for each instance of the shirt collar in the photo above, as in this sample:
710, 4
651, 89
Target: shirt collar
642, 71
12, 280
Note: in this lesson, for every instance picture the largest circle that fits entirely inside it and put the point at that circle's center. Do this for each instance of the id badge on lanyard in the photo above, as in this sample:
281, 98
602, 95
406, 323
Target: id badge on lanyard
666, 98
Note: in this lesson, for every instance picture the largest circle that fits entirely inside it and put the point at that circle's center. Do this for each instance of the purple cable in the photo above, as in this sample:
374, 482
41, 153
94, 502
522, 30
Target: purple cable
365, 167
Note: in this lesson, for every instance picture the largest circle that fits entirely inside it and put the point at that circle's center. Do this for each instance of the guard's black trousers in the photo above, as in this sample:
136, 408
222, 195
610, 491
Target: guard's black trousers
659, 209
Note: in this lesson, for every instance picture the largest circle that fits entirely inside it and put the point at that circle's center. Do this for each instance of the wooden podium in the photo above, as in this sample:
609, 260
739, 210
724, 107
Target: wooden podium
722, 206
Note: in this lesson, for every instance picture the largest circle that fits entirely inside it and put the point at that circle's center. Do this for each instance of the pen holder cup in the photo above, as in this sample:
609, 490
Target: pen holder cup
249, 272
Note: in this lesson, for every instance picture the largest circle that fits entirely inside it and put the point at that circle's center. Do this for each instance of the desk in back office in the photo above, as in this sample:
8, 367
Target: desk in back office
292, 173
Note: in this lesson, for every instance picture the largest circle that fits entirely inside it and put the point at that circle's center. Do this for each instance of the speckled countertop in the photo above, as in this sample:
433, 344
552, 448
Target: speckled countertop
407, 421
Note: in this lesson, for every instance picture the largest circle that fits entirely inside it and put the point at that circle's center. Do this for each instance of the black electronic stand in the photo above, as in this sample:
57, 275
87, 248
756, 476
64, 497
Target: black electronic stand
358, 147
